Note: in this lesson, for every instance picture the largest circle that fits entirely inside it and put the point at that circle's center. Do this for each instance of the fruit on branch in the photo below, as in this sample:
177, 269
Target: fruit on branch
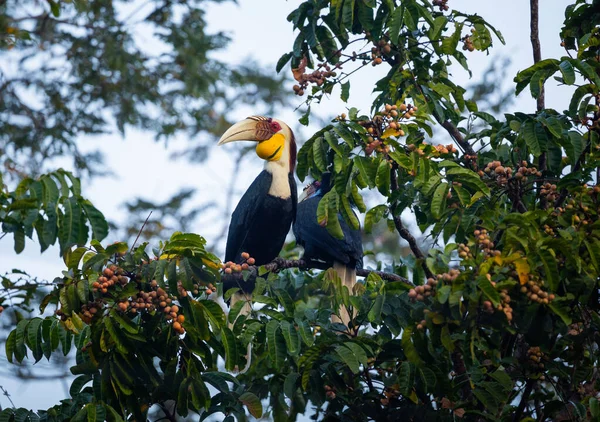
318, 77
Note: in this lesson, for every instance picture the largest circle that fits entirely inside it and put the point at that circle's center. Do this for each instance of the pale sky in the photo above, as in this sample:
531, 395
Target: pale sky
258, 29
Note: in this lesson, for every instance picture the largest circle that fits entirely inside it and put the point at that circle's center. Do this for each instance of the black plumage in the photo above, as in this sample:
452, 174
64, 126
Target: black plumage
259, 226
318, 244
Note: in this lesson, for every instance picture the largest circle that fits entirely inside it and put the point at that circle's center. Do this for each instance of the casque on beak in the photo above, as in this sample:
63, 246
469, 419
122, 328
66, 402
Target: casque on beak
241, 131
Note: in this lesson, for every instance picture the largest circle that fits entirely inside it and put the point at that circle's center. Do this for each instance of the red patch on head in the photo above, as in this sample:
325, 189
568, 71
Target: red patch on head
275, 127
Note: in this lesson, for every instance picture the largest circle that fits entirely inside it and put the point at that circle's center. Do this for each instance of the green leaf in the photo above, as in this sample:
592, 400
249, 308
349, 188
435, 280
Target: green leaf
305, 332
345, 91
550, 269
446, 339
395, 24
449, 44
231, 354
348, 14
374, 215
348, 213
383, 178
535, 137
579, 93
96, 219
69, 224
275, 344
593, 247
409, 348
486, 287
252, 403
19, 236
428, 378
406, 378
283, 61
560, 309
568, 72
319, 154
438, 201
10, 345
374, 314
290, 385
347, 356
291, 337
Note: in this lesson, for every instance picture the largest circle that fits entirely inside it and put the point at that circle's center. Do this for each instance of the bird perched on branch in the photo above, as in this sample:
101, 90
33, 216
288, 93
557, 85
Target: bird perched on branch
262, 218
344, 255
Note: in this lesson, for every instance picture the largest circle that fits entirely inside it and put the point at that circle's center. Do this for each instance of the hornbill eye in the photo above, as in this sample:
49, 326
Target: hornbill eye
275, 127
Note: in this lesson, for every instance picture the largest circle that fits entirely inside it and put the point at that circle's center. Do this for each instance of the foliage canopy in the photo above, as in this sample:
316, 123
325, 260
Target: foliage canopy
500, 322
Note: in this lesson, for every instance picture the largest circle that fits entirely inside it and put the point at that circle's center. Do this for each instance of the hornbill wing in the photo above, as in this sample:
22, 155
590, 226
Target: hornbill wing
317, 241
244, 214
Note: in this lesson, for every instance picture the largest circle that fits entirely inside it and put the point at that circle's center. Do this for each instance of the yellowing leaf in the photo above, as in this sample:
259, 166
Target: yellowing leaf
390, 132
211, 264
523, 270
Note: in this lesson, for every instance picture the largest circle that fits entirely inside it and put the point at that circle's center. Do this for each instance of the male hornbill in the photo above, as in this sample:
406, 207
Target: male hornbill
262, 218
344, 255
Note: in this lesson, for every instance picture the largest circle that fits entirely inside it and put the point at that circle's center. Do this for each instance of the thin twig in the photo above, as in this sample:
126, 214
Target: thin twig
403, 231
4, 392
141, 229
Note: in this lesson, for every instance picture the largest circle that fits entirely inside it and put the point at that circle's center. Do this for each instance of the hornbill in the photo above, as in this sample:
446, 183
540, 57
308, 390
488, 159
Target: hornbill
262, 219
345, 255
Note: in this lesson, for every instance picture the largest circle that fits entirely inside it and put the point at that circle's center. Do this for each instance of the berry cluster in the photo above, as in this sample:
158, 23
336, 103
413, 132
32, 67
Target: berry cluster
482, 239
318, 76
231, 267
446, 149
88, 310
110, 276
467, 43
535, 293
156, 298
442, 4
392, 392
330, 392
498, 171
525, 171
549, 191
419, 293
464, 251
420, 152
534, 358
471, 159
422, 325
388, 118
381, 49
504, 306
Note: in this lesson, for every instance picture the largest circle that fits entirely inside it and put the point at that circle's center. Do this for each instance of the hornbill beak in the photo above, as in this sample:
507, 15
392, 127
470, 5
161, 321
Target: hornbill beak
241, 131
266, 131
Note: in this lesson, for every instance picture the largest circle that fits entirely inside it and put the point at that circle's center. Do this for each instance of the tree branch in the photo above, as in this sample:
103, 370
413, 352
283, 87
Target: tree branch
403, 231
524, 398
535, 43
537, 56
281, 264
458, 137
460, 369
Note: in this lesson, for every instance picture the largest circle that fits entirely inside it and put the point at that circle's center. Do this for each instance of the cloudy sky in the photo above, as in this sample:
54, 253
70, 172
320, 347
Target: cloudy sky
259, 30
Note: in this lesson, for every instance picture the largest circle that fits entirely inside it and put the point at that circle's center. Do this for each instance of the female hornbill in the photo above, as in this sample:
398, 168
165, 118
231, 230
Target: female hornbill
262, 218
344, 255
